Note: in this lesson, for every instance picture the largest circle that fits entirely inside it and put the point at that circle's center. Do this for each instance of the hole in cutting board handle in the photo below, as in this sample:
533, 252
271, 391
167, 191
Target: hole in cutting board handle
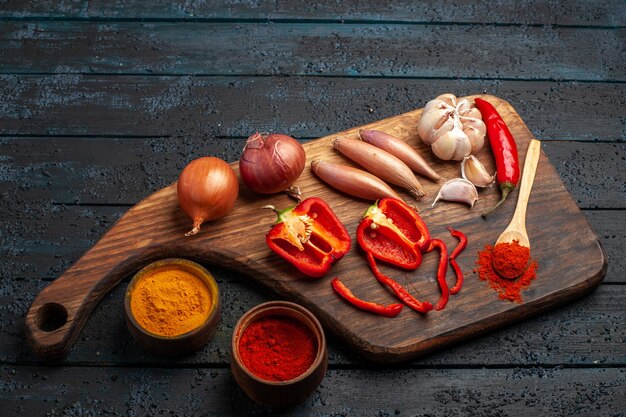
51, 316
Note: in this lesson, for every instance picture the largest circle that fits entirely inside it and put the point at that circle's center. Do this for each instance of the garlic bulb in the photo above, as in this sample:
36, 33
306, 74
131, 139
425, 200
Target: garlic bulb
458, 190
474, 171
453, 127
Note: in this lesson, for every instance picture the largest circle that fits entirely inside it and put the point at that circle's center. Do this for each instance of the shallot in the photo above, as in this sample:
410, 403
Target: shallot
353, 181
401, 150
380, 163
207, 189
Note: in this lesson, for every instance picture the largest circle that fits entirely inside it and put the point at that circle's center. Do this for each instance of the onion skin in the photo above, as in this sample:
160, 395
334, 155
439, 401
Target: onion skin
380, 163
353, 181
207, 189
401, 150
271, 163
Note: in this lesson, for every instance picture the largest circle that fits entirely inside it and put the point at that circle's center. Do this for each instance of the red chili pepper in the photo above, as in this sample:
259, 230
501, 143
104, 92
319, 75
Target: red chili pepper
442, 271
504, 150
309, 236
459, 248
398, 290
390, 310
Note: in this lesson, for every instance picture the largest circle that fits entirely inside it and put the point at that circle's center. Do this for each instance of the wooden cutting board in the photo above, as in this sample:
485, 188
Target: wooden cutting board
571, 261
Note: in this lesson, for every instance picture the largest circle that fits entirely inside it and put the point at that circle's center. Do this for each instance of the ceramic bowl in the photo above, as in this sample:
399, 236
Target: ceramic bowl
282, 393
184, 343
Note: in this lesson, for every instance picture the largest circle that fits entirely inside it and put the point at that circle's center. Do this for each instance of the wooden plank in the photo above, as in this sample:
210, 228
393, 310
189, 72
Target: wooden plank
73, 104
575, 12
607, 162
586, 333
200, 392
314, 49
125, 170
610, 226
41, 240
153, 229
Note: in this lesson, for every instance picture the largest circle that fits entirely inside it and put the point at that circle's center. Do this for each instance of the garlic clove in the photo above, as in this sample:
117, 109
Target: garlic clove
458, 190
463, 148
464, 105
473, 113
445, 146
475, 172
475, 130
431, 122
448, 98
452, 145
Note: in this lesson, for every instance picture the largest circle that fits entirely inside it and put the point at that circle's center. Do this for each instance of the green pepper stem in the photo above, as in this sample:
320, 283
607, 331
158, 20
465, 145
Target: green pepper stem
271, 207
505, 193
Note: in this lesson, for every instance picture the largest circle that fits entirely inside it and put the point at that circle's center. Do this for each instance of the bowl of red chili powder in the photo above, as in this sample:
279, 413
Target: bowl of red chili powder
278, 353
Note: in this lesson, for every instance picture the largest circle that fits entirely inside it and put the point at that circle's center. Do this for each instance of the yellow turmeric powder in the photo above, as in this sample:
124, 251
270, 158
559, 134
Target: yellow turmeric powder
170, 302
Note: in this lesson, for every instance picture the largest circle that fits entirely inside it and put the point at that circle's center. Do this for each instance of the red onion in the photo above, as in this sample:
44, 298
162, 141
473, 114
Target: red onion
207, 189
271, 163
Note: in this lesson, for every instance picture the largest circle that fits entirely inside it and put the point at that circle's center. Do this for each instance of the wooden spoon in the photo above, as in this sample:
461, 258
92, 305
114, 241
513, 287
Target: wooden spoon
516, 230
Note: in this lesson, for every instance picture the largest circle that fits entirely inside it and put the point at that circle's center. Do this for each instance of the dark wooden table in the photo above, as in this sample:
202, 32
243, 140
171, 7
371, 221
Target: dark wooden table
102, 103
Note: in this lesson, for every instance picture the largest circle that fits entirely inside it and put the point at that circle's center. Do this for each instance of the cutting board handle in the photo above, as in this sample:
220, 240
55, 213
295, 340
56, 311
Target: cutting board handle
59, 312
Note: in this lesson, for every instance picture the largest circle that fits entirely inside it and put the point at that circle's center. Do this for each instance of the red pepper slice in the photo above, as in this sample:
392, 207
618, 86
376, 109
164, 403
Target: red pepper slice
459, 248
309, 236
390, 310
442, 270
398, 289
393, 233
504, 150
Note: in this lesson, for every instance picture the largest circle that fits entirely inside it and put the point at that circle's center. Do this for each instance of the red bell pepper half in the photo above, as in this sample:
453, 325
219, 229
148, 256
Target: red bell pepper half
393, 233
309, 236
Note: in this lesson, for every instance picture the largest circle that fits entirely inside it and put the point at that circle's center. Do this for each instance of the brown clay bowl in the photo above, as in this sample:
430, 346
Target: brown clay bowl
185, 343
282, 393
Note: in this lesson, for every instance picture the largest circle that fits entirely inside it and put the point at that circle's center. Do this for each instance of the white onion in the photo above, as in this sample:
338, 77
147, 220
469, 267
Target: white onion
207, 189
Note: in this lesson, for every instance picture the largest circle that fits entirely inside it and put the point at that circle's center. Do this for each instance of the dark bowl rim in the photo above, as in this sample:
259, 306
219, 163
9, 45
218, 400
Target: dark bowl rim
284, 305
205, 276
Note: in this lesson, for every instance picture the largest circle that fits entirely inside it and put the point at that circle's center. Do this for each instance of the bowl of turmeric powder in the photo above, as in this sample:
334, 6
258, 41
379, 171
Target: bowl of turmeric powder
172, 307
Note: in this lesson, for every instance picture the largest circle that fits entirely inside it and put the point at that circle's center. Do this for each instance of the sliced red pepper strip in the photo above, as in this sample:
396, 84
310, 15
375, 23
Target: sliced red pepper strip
397, 289
387, 245
459, 277
390, 310
442, 270
456, 252
309, 236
